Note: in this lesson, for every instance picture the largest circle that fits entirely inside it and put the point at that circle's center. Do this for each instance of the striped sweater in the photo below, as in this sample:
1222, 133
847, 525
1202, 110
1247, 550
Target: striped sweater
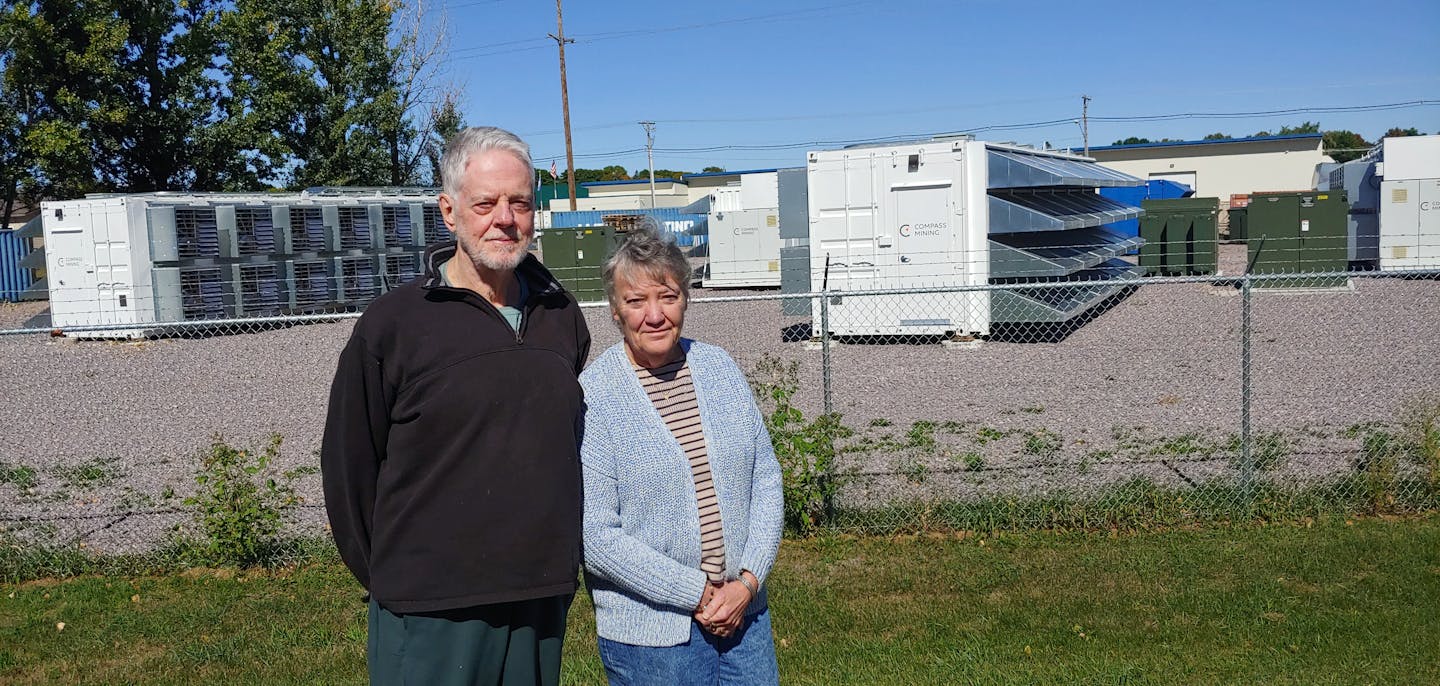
642, 526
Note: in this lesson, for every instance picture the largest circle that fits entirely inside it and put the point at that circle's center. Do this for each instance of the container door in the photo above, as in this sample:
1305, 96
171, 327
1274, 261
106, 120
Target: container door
917, 253
113, 276
1428, 233
843, 236
70, 266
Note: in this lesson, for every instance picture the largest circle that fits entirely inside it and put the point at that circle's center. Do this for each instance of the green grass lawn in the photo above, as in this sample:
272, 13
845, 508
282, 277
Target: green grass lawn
1338, 602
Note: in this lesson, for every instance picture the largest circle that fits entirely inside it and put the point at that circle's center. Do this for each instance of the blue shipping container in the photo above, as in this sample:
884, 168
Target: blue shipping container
688, 229
1154, 189
13, 279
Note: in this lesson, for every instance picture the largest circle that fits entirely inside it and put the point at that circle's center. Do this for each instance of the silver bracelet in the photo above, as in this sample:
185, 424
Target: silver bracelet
754, 592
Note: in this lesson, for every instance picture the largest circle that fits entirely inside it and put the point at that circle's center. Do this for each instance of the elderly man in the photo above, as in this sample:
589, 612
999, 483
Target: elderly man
450, 457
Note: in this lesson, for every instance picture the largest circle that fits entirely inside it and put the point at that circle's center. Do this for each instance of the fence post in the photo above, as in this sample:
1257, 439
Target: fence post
1247, 454
829, 475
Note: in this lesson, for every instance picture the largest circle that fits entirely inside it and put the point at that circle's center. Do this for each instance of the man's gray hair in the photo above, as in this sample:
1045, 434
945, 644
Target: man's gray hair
650, 252
472, 141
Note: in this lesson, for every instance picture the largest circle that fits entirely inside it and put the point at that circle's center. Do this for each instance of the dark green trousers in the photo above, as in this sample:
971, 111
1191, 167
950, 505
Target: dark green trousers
505, 644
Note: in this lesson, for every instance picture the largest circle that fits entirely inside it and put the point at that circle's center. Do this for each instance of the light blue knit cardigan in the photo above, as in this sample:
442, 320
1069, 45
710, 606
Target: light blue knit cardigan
642, 525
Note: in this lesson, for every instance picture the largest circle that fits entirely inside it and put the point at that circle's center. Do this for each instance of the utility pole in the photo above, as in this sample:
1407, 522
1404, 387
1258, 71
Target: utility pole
1084, 117
650, 156
560, 40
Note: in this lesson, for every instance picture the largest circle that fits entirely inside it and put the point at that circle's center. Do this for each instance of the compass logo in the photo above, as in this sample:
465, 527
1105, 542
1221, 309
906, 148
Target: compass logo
905, 230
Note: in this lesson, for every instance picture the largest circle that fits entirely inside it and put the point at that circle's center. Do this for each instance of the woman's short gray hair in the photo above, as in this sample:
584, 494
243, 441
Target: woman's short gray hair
651, 252
472, 141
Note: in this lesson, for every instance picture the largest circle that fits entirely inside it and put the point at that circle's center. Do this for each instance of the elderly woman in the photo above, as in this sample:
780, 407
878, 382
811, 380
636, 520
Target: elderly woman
683, 503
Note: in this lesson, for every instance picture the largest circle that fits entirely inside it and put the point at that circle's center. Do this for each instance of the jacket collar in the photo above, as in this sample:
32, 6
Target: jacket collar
540, 280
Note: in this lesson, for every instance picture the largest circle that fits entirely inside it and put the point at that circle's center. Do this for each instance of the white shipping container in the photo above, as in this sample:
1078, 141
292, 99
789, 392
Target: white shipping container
904, 216
759, 191
959, 213
1412, 157
744, 249
1409, 223
92, 249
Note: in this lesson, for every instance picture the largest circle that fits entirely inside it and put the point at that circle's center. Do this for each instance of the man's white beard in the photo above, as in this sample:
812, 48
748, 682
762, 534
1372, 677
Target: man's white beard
488, 259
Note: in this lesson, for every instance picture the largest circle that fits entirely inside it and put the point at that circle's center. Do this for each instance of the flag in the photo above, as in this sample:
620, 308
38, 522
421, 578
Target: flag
552, 170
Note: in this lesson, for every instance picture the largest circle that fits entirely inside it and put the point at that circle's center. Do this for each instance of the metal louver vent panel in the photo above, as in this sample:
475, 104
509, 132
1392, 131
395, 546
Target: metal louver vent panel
1088, 288
359, 283
435, 231
261, 289
1013, 212
196, 233
398, 230
1035, 255
312, 284
399, 269
202, 294
1014, 169
307, 229
354, 228
254, 231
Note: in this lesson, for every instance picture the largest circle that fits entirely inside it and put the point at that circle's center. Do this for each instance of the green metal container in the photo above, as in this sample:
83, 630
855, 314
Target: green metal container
576, 255
1180, 236
1239, 217
1298, 232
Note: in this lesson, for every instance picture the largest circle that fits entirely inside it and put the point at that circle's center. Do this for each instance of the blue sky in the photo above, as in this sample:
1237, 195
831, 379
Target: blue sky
717, 76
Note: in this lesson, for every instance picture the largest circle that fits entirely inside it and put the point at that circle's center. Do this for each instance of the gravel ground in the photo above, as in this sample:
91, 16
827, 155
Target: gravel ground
113, 431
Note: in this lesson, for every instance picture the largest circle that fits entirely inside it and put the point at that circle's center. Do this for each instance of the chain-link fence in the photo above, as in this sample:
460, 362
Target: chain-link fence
1174, 399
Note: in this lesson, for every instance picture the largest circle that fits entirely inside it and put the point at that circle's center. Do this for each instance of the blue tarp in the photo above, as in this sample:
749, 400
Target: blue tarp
689, 229
13, 279
1154, 189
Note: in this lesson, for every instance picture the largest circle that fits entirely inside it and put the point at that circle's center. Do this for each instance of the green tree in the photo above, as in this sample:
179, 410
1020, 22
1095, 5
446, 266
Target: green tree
1307, 127
614, 172
312, 91
588, 175
1132, 141
445, 122
1398, 132
659, 174
1343, 146
114, 92
710, 170
1217, 137
14, 165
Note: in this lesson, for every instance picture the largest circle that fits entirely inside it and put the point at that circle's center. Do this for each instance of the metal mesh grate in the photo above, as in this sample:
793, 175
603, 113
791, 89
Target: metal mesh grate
312, 284
358, 281
398, 230
202, 294
399, 269
196, 234
260, 290
354, 228
307, 229
435, 231
254, 231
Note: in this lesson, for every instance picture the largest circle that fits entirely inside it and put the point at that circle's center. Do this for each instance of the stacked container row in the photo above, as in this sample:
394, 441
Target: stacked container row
132, 260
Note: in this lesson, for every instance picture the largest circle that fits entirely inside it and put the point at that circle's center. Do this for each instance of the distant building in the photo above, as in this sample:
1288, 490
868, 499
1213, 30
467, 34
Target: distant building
752, 188
20, 214
630, 195
1221, 168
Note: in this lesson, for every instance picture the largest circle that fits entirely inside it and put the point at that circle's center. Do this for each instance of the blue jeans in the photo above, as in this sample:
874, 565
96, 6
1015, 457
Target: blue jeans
747, 658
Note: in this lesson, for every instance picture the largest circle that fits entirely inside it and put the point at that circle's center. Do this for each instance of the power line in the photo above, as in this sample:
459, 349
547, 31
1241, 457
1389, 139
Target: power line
1013, 127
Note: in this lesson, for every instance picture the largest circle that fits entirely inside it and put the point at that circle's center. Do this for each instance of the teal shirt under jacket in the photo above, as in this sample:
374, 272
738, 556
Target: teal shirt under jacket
642, 524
